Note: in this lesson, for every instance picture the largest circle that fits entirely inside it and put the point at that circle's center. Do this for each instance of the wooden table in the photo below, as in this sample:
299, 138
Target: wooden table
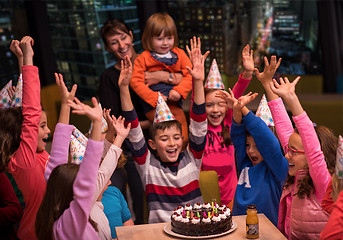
155, 231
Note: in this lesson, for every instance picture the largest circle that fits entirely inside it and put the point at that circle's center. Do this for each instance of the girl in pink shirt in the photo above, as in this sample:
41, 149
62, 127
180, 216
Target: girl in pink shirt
310, 151
219, 152
23, 135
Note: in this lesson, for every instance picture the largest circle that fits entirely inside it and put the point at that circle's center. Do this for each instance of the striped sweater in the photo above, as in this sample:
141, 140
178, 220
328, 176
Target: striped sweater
167, 187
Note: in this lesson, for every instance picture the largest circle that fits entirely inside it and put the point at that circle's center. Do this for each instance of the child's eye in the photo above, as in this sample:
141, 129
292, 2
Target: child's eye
124, 37
113, 43
164, 139
209, 105
177, 137
170, 38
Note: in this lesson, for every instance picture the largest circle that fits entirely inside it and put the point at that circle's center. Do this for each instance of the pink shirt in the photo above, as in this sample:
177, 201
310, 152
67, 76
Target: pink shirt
315, 157
73, 223
219, 157
27, 166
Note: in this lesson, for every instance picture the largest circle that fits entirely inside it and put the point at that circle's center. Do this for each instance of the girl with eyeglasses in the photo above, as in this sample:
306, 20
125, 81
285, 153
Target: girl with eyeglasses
311, 154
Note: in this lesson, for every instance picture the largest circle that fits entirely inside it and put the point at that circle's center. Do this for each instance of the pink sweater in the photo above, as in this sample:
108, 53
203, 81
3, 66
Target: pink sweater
27, 166
73, 223
301, 222
219, 157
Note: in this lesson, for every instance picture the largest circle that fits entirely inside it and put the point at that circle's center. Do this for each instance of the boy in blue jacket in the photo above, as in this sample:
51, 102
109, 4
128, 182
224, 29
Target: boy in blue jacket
259, 159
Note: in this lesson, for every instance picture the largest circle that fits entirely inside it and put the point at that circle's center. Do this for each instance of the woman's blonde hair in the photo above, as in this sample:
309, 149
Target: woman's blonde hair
157, 23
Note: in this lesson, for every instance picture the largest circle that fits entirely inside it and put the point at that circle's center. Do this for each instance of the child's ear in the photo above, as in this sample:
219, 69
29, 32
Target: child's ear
130, 32
152, 144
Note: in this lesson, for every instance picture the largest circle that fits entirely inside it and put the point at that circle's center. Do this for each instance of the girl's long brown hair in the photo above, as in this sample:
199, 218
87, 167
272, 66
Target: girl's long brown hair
11, 120
59, 193
328, 144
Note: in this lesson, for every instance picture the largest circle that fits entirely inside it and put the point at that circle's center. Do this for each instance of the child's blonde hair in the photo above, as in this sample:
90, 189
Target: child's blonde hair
157, 23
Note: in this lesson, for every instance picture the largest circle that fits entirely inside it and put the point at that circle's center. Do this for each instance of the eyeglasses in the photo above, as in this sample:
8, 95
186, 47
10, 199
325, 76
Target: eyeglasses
291, 152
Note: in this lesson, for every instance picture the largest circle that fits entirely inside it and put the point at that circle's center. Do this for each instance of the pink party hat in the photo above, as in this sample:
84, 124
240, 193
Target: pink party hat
264, 113
214, 80
339, 158
104, 124
4, 97
78, 143
18, 93
162, 113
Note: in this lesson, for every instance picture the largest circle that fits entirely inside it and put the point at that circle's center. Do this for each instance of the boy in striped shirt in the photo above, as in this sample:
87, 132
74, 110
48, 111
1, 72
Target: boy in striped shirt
170, 175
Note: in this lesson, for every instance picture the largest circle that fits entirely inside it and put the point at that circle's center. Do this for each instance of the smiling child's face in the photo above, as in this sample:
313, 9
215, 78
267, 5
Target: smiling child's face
167, 143
215, 109
43, 132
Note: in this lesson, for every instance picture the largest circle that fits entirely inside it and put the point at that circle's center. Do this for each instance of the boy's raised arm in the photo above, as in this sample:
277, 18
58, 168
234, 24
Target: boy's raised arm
124, 82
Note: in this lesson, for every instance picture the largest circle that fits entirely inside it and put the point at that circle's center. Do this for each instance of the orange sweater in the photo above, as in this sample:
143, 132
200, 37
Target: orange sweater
145, 62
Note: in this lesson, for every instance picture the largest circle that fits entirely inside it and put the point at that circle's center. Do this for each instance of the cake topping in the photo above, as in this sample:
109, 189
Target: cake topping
178, 218
196, 220
197, 206
221, 207
216, 218
188, 207
206, 219
222, 215
227, 211
207, 205
185, 219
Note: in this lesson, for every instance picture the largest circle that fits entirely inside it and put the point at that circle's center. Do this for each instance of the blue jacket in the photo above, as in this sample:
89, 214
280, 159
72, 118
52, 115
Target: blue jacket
260, 184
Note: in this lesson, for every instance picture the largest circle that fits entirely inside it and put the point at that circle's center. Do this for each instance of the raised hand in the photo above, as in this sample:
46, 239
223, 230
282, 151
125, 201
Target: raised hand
125, 72
93, 113
25, 45
64, 93
198, 60
248, 59
266, 76
109, 119
228, 97
244, 100
285, 88
121, 130
14, 47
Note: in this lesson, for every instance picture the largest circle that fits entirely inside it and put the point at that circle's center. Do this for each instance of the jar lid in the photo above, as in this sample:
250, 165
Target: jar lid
251, 206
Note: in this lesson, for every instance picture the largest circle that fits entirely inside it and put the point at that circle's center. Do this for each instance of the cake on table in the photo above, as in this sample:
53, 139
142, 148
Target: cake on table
201, 219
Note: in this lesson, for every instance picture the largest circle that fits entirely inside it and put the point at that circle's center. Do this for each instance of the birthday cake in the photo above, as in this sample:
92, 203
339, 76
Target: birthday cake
201, 219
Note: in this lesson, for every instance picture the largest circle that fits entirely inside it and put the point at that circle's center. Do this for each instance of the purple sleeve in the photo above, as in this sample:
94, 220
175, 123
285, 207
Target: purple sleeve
283, 124
72, 223
238, 90
59, 148
315, 157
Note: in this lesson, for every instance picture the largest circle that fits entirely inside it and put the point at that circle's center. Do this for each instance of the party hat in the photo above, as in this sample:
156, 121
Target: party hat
264, 113
18, 93
4, 97
104, 126
339, 158
214, 80
78, 143
162, 113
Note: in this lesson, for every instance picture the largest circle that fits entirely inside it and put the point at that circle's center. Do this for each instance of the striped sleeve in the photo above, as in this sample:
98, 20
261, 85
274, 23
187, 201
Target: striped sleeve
136, 141
197, 130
